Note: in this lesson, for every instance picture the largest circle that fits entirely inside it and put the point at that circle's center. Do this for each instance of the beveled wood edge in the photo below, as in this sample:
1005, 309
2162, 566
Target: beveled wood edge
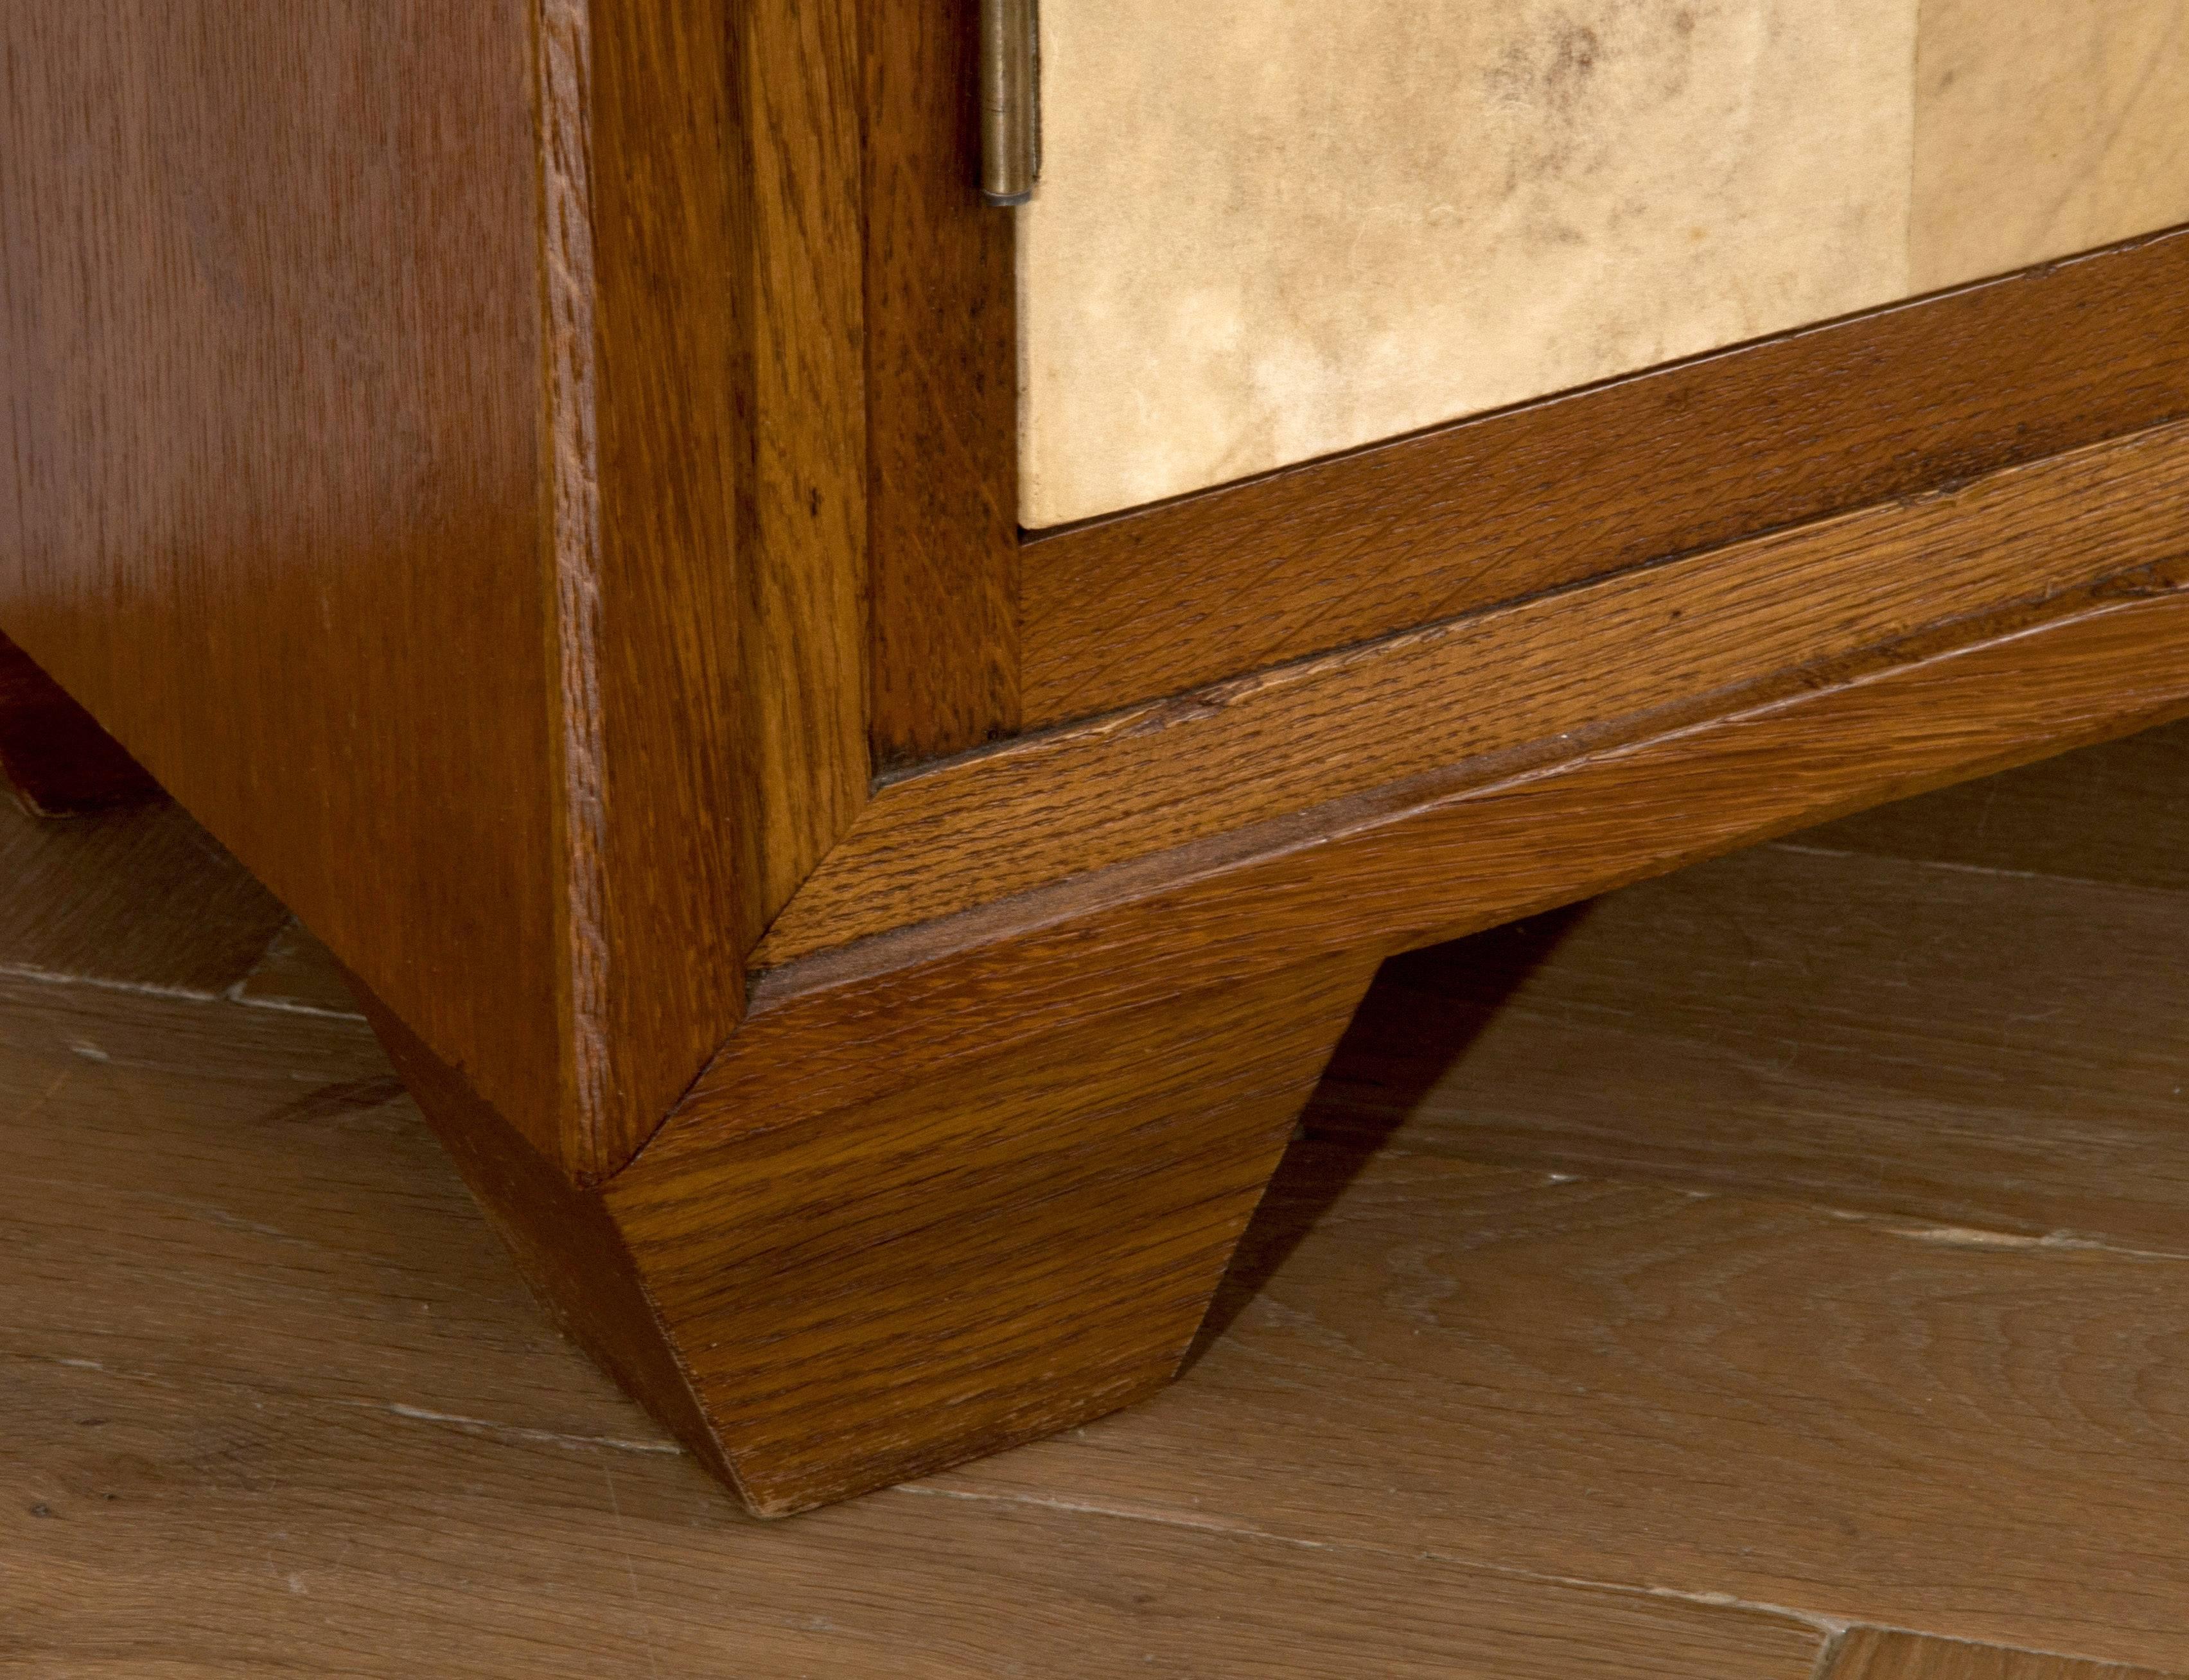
704, 518
648, 735
1890, 401
1417, 863
1529, 678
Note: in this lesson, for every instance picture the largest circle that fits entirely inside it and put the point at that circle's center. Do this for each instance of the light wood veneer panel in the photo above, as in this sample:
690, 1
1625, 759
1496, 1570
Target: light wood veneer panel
1271, 231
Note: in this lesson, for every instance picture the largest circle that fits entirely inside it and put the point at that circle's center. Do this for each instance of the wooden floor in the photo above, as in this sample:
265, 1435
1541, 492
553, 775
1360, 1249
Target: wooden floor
1779, 1271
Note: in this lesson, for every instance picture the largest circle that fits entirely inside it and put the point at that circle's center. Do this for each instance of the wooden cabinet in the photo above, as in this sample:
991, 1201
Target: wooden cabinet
543, 482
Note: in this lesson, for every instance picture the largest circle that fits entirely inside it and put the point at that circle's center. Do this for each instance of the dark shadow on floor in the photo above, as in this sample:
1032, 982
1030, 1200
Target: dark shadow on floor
1424, 1011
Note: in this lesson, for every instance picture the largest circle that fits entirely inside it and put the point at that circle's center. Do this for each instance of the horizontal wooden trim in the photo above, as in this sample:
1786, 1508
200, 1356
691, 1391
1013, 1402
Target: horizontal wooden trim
984, 827
1400, 868
1339, 550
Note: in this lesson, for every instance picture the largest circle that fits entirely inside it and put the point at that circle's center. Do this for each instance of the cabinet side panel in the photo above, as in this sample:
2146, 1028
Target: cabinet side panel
270, 508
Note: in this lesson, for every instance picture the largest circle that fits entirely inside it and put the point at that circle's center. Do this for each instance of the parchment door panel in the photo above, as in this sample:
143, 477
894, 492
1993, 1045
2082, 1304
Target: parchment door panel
1269, 230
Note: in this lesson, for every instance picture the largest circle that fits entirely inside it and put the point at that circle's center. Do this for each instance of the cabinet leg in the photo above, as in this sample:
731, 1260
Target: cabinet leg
1017, 1245
53, 754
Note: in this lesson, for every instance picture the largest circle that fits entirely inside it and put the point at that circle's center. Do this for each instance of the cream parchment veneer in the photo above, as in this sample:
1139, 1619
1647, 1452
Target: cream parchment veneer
1272, 230
2044, 127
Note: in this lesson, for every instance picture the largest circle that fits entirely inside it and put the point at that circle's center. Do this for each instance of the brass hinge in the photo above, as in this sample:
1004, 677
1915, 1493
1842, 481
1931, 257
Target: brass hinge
1010, 100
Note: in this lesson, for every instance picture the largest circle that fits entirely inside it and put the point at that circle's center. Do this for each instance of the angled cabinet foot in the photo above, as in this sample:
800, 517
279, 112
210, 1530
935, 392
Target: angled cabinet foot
821, 1302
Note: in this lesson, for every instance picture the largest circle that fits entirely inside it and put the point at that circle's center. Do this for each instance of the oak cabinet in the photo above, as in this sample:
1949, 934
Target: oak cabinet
861, 746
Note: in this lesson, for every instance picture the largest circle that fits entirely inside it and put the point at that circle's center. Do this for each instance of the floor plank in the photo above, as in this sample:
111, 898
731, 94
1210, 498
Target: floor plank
1958, 1045
277, 1405
1805, 1333
138, 897
2117, 813
285, 1540
1878, 1424
297, 972
1867, 1655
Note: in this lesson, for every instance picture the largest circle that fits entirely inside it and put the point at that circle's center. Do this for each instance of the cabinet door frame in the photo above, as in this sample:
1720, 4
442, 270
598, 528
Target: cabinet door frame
983, 629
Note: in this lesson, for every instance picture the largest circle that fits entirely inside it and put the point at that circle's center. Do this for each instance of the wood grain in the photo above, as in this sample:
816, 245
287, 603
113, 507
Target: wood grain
53, 753
141, 897
278, 1405
802, 432
463, 1551
942, 379
1681, 459
562, 1238
958, 1189
974, 1260
821, 1307
286, 1409
1412, 865
1543, 674
1971, 1048
378, 386
546, 1557
312, 1064
1867, 1653
275, 514
651, 722
1781, 1404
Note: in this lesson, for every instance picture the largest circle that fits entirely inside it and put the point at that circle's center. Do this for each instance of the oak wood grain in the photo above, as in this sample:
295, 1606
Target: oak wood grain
968, 1260
802, 433
52, 754
562, 1238
277, 516
1413, 864
467, 1551
1786, 1405
280, 1406
942, 376
1867, 1653
1025, 1242
657, 752
1543, 673
1888, 404
375, 380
